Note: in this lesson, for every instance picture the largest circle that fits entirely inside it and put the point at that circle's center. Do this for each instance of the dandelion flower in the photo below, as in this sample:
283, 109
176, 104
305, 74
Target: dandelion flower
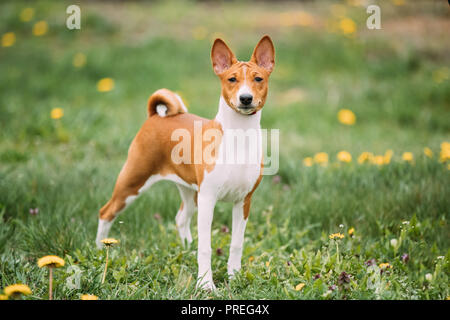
53, 261
308, 162
378, 160
365, 157
344, 156
347, 117
385, 265
351, 232
17, 289
88, 297
79, 60
407, 156
57, 113
299, 286
321, 158
40, 28
445, 152
427, 151
387, 156
336, 235
105, 85
26, 14
429, 277
108, 242
347, 26
399, 2
8, 39
50, 262
3, 297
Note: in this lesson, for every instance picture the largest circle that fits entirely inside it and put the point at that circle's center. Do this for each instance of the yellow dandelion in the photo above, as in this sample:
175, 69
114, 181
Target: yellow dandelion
351, 232
308, 162
336, 235
387, 156
8, 39
427, 151
26, 14
50, 262
347, 117
3, 297
17, 289
109, 241
385, 265
445, 152
251, 259
299, 286
79, 60
365, 157
88, 297
105, 85
199, 33
344, 156
407, 156
40, 28
347, 26
53, 261
321, 158
398, 2
57, 113
378, 160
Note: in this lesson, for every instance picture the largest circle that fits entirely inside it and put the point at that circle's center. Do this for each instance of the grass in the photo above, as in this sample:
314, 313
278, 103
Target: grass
396, 85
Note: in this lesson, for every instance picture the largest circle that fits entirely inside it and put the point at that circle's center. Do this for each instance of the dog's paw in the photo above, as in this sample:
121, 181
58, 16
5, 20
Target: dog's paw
207, 285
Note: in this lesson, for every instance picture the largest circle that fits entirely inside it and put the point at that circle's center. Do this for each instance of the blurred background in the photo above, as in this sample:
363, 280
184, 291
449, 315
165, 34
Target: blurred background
71, 101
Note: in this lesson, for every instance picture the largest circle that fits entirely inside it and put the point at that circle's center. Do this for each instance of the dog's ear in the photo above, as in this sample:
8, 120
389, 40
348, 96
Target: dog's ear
264, 54
222, 57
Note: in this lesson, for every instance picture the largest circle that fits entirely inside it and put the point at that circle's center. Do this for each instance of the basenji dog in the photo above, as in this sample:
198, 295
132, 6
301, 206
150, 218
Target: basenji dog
201, 183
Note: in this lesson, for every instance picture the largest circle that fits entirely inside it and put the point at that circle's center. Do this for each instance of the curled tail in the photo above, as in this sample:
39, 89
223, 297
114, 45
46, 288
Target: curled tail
165, 103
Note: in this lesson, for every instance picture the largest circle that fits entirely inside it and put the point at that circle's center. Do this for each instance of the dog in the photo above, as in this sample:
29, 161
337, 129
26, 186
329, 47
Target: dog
201, 183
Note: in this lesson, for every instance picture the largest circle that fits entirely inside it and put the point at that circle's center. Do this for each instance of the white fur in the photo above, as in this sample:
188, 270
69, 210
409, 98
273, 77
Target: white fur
227, 182
102, 231
161, 109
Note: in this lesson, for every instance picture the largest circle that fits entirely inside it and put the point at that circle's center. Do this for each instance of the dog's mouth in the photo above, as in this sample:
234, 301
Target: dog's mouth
247, 110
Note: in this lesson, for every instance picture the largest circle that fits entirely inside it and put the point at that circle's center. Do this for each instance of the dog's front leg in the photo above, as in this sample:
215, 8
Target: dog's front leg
206, 204
237, 239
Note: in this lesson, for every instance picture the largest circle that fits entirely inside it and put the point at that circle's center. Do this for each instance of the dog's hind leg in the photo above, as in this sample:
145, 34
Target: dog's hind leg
129, 185
185, 213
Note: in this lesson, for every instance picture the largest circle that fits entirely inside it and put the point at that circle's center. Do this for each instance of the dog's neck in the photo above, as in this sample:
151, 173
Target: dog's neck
230, 119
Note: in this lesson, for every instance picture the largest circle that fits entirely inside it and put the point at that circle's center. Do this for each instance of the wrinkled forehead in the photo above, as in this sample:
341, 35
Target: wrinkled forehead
244, 67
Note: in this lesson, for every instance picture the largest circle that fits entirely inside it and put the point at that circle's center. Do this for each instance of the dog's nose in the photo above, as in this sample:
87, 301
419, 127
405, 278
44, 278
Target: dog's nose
246, 99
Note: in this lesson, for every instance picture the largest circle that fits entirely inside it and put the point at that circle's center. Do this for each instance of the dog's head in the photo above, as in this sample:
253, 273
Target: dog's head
244, 84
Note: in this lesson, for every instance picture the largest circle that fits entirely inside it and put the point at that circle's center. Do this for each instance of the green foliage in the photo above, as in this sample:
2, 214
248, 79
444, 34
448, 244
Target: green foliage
67, 167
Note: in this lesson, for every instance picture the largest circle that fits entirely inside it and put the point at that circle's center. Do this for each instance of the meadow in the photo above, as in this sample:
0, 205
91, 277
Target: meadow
358, 210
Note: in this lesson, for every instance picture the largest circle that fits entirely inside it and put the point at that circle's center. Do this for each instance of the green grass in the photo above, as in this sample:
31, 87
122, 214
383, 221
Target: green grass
67, 167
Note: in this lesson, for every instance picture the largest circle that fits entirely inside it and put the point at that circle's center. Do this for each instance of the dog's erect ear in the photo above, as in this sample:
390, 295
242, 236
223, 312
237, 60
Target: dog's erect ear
264, 54
222, 57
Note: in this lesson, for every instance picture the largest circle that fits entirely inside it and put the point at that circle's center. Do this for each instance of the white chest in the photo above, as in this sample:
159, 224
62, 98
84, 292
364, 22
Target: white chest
238, 165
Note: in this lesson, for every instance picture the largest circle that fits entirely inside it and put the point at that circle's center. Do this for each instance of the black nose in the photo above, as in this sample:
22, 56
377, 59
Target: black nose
246, 99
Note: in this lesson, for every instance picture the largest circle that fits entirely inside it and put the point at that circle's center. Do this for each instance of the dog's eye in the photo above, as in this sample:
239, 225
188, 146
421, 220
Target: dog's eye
233, 79
258, 79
